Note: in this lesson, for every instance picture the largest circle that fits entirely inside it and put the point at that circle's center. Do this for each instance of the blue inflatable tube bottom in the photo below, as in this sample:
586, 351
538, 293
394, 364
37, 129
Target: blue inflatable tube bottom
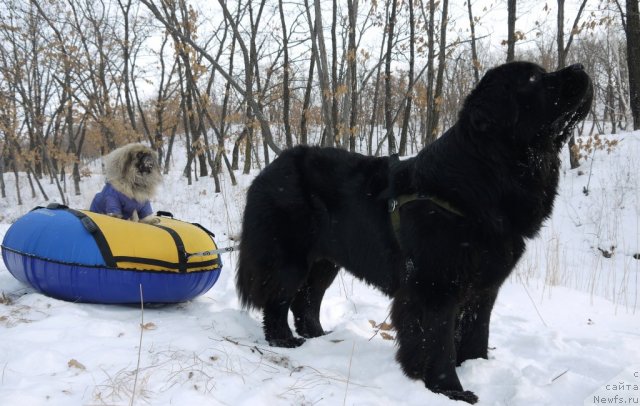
78, 283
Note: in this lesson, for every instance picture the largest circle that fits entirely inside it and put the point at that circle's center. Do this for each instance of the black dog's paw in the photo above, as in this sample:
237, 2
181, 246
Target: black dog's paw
313, 334
292, 342
465, 396
309, 330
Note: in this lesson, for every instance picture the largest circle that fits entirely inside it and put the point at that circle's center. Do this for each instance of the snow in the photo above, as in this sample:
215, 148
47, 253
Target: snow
565, 324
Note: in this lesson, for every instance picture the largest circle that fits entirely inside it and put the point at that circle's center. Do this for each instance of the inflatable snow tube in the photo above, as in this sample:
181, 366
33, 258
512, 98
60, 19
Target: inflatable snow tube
81, 256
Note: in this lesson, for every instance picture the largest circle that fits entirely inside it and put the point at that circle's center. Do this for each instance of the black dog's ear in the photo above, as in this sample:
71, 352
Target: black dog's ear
494, 116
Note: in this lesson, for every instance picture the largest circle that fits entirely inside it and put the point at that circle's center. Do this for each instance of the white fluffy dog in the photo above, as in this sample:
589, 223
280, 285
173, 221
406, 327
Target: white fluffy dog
132, 177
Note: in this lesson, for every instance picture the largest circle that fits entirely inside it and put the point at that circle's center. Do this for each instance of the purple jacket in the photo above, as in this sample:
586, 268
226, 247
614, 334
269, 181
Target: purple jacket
110, 201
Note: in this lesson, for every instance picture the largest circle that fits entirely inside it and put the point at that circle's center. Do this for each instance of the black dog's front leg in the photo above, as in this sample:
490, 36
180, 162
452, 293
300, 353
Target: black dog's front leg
472, 326
426, 348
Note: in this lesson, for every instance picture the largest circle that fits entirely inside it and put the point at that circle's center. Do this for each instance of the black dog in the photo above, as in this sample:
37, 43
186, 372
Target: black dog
438, 233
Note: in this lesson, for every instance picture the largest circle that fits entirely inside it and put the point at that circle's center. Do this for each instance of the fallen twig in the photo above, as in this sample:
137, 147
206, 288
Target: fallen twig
135, 380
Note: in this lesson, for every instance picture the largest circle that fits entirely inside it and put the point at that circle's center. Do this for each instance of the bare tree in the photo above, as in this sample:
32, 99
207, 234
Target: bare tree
563, 51
352, 6
631, 25
322, 64
3, 191
408, 98
435, 102
306, 102
388, 107
242, 90
337, 126
75, 124
427, 136
166, 89
286, 91
511, 30
475, 63
125, 8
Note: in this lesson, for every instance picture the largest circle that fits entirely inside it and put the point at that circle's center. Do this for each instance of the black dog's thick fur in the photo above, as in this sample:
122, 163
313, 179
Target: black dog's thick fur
484, 187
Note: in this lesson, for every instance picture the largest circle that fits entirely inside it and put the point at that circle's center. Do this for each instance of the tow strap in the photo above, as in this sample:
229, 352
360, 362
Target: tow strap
214, 252
203, 253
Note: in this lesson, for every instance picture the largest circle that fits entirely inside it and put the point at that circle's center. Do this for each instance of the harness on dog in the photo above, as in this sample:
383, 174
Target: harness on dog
396, 203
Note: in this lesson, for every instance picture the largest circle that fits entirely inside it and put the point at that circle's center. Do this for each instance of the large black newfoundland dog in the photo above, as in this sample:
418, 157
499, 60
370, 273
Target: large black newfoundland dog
438, 233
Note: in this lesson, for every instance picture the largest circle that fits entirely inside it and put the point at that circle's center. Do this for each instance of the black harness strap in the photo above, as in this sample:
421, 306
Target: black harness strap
399, 177
396, 203
93, 229
182, 253
203, 228
165, 264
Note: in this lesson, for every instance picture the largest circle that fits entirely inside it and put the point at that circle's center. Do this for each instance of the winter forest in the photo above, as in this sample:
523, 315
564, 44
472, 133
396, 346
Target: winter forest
241, 81
219, 89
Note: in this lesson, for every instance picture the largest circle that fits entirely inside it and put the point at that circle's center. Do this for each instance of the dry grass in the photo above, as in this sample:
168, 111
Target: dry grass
595, 247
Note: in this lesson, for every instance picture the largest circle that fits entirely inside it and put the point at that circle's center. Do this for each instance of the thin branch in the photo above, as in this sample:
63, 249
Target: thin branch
135, 380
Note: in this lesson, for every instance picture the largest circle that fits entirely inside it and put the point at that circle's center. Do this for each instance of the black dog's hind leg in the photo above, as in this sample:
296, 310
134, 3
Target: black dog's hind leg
276, 309
425, 338
472, 328
306, 303
276, 327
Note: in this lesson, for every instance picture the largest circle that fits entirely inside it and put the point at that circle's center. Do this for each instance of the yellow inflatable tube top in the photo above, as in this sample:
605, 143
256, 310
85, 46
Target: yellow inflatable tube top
168, 246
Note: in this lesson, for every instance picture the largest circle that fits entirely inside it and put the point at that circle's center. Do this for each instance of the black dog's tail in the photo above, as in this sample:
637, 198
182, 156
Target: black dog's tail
274, 242
249, 273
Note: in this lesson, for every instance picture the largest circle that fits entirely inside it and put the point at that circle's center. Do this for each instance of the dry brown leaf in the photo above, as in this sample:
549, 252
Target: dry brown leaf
384, 326
73, 363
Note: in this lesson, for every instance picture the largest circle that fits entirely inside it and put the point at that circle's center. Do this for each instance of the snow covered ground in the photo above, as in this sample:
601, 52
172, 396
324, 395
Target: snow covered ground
565, 325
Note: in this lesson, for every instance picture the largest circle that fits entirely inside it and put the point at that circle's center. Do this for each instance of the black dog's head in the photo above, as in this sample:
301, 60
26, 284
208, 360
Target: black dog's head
523, 103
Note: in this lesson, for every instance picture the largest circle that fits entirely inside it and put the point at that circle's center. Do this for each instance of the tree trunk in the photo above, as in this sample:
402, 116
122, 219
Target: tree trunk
337, 126
388, 108
351, 68
560, 37
161, 102
563, 51
126, 45
436, 103
633, 59
475, 63
427, 136
511, 30
409, 96
3, 192
235, 154
248, 143
172, 139
374, 107
323, 75
286, 98
14, 168
306, 102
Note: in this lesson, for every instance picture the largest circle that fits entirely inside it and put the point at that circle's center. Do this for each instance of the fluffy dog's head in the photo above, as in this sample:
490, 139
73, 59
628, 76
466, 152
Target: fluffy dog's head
530, 106
133, 171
